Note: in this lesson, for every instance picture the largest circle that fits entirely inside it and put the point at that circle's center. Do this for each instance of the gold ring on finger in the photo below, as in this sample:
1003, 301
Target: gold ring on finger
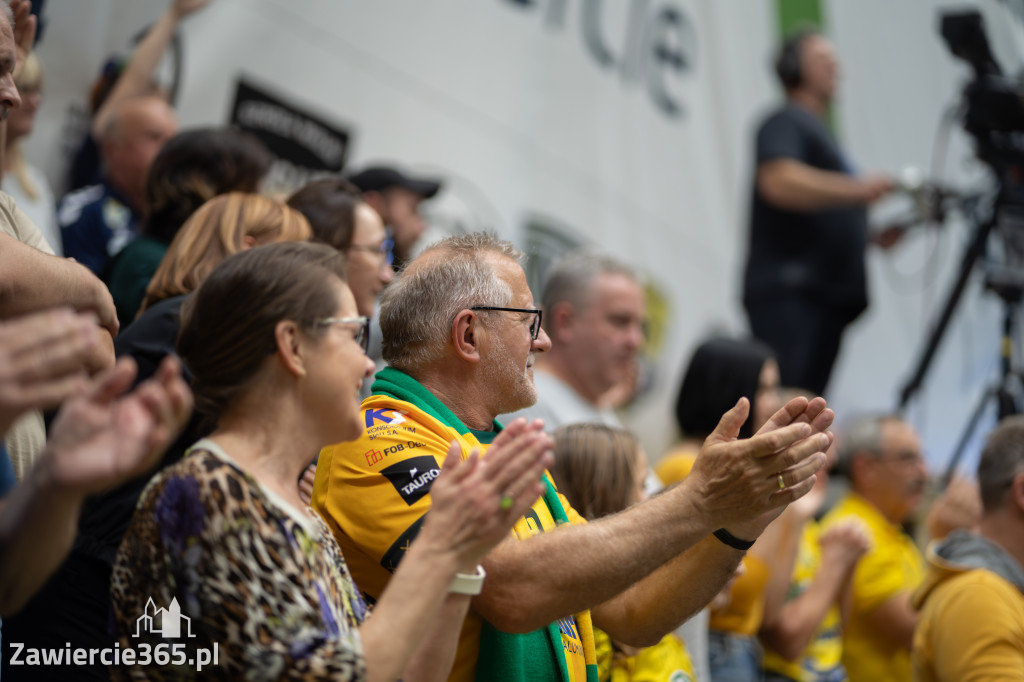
782, 483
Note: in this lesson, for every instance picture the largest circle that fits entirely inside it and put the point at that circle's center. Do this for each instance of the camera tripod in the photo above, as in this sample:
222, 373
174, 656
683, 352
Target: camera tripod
1008, 284
1005, 391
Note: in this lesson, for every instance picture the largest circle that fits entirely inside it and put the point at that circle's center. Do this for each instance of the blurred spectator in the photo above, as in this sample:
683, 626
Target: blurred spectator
224, 225
341, 217
601, 471
122, 79
25, 183
74, 606
721, 372
882, 457
397, 198
98, 221
804, 280
192, 168
807, 605
971, 625
594, 312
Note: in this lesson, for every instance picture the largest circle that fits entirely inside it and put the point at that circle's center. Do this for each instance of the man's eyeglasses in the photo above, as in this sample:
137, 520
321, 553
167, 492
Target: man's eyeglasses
362, 332
385, 249
904, 458
534, 327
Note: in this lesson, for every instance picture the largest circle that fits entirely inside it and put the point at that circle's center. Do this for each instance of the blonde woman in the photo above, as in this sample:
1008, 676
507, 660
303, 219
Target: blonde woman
601, 471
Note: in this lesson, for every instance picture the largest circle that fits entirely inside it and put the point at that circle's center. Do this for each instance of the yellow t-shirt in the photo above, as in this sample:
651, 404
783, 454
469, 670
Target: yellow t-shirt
824, 654
893, 566
676, 465
971, 626
666, 661
374, 493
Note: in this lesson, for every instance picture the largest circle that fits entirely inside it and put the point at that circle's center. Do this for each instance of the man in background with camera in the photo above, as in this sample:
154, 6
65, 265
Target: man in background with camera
805, 276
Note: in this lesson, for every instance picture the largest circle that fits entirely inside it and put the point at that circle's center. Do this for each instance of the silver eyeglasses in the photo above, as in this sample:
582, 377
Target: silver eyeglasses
362, 331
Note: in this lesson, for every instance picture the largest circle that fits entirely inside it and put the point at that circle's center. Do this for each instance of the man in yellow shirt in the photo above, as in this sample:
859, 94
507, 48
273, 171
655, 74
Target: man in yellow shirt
882, 456
460, 334
971, 626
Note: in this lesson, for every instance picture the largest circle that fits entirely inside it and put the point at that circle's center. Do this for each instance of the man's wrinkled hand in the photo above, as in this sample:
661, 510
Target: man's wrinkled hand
742, 485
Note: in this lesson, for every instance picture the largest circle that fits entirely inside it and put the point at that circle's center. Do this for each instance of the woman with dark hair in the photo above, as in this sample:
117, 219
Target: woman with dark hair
341, 218
224, 532
721, 372
192, 168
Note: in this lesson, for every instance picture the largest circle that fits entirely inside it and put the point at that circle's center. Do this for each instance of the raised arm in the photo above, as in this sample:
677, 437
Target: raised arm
779, 545
796, 186
790, 629
137, 78
733, 485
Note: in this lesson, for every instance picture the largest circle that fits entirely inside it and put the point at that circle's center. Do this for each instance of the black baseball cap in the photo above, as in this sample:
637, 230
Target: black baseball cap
380, 178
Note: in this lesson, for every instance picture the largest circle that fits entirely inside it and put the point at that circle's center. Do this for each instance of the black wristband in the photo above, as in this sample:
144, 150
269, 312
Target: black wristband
729, 539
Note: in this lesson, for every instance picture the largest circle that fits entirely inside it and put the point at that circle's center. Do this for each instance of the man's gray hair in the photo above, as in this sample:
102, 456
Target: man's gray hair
1001, 461
862, 436
571, 277
417, 310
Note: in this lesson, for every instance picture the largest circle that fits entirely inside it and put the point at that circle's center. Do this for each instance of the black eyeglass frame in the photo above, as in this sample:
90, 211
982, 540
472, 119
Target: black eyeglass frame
534, 328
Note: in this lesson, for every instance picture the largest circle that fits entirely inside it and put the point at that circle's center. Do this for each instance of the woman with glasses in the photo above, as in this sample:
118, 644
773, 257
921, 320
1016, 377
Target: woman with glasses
340, 218
223, 534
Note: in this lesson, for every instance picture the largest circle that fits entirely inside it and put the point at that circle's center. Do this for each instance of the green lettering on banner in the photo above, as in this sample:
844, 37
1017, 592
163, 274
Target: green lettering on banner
792, 14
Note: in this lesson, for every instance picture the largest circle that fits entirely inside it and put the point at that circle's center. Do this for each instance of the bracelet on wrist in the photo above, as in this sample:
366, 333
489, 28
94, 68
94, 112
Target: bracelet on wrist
468, 583
729, 539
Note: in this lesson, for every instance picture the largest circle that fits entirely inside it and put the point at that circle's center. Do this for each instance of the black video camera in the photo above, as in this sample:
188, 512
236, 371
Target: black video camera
995, 103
